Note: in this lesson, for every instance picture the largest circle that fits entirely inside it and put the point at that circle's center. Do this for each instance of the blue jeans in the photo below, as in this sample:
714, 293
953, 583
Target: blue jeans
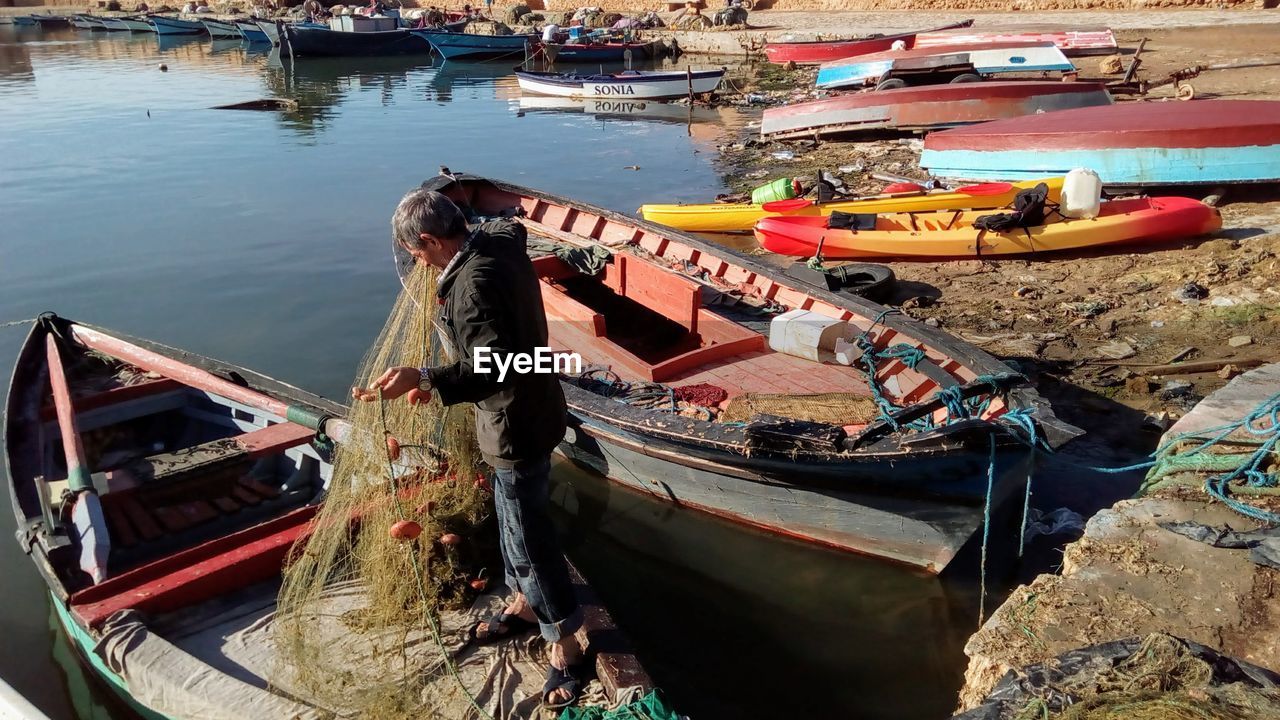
531, 553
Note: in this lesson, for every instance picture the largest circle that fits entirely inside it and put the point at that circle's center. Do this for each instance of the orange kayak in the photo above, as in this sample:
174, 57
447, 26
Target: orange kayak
953, 235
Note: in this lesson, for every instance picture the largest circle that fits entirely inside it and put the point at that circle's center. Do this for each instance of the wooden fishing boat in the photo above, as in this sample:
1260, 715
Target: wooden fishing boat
459, 45
812, 52
271, 29
601, 52
953, 235
931, 107
51, 22
86, 22
672, 310
114, 24
628, 84
167, 25
300, 41
1203, 142
221, 28
742, 217
942, 64
1072, 43
158, 494
250, 31
137, 24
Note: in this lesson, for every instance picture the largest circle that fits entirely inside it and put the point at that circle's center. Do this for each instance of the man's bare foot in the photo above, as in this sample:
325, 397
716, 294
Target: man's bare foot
518, 607
564, 654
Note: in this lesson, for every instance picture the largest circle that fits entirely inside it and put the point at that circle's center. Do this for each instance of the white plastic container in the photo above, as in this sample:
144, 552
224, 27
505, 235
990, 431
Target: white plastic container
809, 335
1081, 194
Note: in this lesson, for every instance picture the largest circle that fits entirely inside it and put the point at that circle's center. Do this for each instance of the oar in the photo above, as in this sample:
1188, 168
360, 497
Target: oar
86, 514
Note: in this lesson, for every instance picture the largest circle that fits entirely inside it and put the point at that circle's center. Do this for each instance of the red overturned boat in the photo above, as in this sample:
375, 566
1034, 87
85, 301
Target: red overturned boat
1202, 142
812, 52
919, 109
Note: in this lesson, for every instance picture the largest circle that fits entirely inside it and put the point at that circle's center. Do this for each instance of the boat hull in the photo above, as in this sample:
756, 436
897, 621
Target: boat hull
928, 108
939, 64
1072, 43
220, 29
316, 42
250, 31
133, 25
621, 86
1140, 220
602, 52
176, 26
457, 46
812, 52
742, 217
1131, 144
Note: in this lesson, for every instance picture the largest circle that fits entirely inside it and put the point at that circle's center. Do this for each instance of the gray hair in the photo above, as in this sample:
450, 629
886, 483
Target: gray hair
426, 211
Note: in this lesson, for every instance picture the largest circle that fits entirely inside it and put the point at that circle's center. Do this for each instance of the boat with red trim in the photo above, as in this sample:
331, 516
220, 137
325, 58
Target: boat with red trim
931, 107
812, 52
159, 493
1202, 142
1072, 43
713, 381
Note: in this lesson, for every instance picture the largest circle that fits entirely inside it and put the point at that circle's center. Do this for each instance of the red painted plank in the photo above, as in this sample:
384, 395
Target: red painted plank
146, 525
673, 296
115, 396
274, 439
192, 576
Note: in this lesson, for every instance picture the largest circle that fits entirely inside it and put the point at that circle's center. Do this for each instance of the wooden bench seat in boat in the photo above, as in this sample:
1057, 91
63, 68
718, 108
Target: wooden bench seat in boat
576, 327
173, 491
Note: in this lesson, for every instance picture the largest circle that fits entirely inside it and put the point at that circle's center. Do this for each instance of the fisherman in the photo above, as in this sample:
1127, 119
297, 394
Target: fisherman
490, 298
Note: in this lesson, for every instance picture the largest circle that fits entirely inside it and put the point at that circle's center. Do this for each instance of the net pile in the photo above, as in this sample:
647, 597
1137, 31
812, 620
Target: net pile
364, 536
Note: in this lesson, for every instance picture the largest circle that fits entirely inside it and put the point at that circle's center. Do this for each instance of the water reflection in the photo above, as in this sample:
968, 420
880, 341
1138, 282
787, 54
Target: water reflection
15, 60
782, 629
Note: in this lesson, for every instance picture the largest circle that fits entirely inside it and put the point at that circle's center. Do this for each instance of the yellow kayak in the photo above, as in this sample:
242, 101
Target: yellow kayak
741, 217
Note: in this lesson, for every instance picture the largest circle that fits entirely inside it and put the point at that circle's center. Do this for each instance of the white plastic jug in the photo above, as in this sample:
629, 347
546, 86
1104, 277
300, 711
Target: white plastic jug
1081, 194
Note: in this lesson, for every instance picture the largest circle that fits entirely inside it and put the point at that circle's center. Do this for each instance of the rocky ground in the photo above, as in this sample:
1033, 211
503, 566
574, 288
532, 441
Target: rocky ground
1105, 322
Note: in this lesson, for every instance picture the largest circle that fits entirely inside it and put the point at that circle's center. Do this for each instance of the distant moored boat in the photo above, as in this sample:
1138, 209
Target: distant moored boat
320, 42
250, 31
166, 25
456, 45
221, 28
627, 85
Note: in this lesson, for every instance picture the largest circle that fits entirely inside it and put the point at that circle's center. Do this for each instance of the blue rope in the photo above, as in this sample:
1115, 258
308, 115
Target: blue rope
986, 533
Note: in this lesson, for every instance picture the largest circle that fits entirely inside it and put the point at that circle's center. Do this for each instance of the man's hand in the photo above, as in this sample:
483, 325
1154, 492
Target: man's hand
393, 383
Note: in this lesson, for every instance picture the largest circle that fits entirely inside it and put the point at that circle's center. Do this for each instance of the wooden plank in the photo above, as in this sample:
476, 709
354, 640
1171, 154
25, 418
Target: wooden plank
197, 511
260, 488
147, 527
226, 504
172, 520
274, 439
245, 495
116, 396
121, 532
671, 295
561, 308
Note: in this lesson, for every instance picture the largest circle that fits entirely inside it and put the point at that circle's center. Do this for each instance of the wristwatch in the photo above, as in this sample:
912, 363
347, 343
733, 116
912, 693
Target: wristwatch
424, 379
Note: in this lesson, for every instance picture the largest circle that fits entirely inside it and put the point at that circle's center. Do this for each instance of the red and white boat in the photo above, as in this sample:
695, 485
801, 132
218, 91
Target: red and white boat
812, 52
1072, 43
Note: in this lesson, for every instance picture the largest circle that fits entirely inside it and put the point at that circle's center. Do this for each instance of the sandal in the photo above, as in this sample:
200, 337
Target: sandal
498, 628
561, 679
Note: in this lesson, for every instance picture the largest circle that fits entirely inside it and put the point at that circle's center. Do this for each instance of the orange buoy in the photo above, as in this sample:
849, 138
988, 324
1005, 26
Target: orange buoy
450, 539
405, 530
479, 584
393, 447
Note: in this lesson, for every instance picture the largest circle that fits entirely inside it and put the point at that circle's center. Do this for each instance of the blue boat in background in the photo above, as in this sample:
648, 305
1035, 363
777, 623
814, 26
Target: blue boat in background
455, 45
250, 31
166, 25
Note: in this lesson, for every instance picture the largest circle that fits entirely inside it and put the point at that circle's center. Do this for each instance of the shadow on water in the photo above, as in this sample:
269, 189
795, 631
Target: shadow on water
733, 622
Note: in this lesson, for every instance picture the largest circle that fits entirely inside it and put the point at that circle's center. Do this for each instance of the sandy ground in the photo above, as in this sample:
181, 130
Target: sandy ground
1093, 321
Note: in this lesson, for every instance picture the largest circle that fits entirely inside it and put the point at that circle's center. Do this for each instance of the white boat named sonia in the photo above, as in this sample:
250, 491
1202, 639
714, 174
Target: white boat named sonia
629, 84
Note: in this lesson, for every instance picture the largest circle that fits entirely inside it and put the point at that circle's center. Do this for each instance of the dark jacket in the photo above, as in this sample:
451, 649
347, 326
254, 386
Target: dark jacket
491, 298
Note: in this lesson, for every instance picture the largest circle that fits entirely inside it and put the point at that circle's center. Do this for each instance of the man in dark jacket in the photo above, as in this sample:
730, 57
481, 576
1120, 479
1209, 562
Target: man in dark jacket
492, 306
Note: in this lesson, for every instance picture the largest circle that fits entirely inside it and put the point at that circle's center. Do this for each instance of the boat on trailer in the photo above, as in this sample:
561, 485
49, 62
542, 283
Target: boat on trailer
159, 493
931, 107
302, 41
943, 64
777, 435
1202, 142
813, 52
167, 25
625, 85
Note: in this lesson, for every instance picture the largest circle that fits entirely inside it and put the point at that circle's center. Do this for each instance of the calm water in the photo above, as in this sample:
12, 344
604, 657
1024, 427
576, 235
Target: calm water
262, 239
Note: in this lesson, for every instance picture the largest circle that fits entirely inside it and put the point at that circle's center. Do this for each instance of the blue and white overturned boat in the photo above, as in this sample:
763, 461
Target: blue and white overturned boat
944, 63
1202, 142
456, 45
166, 25
626, 85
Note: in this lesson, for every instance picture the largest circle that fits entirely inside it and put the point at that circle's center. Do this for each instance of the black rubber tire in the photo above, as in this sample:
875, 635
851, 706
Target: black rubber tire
868, 280
891, 84
966, 78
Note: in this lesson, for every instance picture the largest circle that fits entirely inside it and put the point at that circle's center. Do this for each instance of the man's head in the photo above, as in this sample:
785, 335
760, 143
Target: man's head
429, 227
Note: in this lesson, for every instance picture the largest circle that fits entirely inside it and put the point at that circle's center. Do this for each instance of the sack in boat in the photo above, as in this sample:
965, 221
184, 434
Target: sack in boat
1028, 211
851, 221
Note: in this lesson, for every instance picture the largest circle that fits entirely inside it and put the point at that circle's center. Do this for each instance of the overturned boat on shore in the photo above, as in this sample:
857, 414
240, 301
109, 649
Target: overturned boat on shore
710, 381
159, 494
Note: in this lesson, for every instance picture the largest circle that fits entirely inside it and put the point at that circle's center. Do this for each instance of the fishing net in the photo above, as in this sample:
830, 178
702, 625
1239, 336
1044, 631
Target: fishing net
406, 537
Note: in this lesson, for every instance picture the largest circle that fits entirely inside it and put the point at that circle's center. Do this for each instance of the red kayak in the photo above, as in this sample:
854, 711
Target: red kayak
812, 52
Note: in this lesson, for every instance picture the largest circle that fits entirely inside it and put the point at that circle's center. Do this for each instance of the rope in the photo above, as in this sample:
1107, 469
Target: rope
986, 533
11, 323
417, 572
